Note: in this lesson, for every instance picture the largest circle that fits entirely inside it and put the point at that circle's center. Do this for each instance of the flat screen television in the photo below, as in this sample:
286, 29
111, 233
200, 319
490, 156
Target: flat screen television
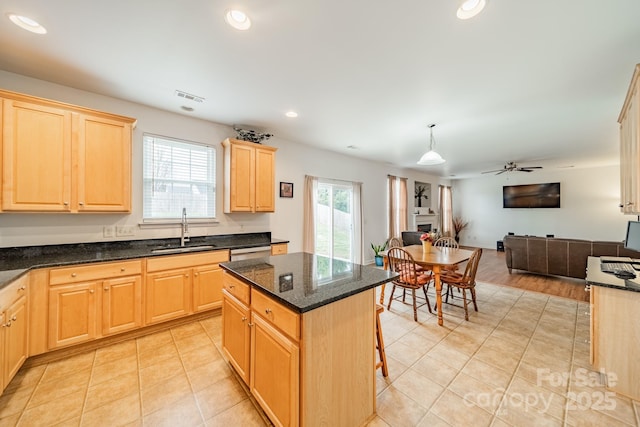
531, 196
632, 240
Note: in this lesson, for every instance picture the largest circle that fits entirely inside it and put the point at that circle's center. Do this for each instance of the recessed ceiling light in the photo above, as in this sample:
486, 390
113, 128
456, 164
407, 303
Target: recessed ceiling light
291, 114
237, 19
470, 8
185, 108
27, 23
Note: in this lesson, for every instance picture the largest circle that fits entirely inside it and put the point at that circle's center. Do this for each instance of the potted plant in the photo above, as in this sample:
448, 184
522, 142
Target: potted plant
458, 225
376, 251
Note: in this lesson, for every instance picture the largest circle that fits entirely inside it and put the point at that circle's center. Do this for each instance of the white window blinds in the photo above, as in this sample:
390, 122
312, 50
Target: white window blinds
178, 174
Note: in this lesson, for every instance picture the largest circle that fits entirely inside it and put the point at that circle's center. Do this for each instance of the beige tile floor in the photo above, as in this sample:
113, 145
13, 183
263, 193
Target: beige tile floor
523, 360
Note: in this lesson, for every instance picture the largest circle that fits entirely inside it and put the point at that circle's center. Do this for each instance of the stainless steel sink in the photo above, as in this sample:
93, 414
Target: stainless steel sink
181, 249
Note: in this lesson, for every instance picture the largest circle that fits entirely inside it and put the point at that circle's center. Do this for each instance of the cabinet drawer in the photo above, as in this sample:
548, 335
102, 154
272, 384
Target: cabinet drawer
279, 249
83, 273
13, 291
171, 262
280, 316
236, 287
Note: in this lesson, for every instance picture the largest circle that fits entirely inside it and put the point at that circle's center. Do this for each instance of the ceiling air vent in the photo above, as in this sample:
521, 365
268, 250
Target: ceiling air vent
189, 96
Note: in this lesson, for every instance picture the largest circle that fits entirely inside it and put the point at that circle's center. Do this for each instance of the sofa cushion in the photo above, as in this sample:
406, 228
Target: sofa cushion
558, 254
537, 252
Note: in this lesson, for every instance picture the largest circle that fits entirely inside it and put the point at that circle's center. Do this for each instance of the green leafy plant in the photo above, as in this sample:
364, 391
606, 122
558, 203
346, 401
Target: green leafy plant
379, 248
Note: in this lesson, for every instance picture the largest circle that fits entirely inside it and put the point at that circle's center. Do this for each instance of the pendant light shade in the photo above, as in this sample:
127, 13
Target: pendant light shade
431, 157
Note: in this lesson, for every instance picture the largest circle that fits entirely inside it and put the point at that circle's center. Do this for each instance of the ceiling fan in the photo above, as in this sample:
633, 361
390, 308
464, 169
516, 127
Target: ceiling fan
513, 167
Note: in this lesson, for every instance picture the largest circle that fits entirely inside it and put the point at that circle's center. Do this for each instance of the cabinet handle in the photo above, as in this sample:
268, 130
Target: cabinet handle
106, 289
587, 288
250, 324
73, 274
6, 325
122, 269
244, 318
65, 203
195, 274
81, 203
186, 276
91, 291
14, 318
268, 311
232, 286
22, 288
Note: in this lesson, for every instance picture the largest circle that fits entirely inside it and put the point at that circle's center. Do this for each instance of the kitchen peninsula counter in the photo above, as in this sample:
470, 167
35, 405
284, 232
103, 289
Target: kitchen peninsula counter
299, 329
615, 329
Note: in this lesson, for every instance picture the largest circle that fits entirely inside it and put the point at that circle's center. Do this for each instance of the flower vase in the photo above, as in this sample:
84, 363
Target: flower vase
426, 246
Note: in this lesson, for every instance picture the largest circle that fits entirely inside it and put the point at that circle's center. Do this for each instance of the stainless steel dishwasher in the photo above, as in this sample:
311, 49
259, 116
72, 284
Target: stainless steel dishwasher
248, 253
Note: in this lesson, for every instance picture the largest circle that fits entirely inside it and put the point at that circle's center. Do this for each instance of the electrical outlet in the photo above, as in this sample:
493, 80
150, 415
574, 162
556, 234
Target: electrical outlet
108, 231
124, 230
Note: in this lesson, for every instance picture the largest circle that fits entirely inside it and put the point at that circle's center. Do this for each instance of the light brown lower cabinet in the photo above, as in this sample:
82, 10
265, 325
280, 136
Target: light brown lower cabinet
275, 372
14, 332
615, 341
178, 285
89, 301
236, 335
314, 368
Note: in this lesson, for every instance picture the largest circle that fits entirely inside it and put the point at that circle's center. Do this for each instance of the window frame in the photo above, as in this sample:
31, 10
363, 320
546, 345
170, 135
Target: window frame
210, 152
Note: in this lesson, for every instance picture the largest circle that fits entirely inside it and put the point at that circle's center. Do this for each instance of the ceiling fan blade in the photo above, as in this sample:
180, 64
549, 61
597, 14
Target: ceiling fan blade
502, 171
497, 170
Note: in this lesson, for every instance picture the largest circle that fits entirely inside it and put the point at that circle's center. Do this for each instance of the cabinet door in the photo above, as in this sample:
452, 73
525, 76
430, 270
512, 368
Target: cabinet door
104, 165
72, 314
121, 304
15, 348
168, 295
236, 335
265, 181
36, 158
274, 373
207, 287
242, 178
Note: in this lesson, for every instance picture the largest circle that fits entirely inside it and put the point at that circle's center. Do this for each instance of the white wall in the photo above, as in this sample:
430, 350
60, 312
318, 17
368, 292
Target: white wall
293, 161
589, 206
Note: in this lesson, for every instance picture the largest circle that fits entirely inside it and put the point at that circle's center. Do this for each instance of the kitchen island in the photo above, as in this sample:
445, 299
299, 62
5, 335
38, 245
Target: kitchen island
299, 329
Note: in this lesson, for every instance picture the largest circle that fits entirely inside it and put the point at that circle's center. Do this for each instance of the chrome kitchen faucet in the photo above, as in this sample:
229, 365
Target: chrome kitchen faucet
184, 236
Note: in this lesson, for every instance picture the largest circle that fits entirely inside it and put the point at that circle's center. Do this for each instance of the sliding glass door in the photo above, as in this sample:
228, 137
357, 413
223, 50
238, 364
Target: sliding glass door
334, 220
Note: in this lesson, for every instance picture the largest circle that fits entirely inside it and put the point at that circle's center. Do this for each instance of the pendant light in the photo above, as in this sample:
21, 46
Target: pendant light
431, 157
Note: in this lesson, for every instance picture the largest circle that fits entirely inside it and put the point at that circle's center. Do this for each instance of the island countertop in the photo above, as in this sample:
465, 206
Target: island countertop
305, 281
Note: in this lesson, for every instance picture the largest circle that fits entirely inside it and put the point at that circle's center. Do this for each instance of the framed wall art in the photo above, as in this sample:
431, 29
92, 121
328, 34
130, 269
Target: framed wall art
286, 189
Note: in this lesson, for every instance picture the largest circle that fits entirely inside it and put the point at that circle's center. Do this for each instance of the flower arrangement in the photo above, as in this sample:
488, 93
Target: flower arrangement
429, 237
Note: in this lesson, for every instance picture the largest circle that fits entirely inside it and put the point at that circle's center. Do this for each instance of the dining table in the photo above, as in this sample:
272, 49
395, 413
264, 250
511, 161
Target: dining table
435, 259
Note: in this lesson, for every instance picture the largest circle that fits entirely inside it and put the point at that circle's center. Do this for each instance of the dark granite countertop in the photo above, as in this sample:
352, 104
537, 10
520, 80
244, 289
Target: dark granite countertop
596, 277
15, 261
304, 281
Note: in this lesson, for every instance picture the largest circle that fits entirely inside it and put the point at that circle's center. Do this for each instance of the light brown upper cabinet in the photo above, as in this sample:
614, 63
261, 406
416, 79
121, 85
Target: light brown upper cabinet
629, 120
62, 158
249, 177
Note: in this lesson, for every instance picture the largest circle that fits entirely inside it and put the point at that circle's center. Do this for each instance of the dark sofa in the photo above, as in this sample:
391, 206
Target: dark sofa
556, 256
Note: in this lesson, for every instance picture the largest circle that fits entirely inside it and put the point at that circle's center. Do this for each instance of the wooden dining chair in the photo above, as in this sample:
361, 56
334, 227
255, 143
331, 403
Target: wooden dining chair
411, 277
395, 242
464, 282
446, 243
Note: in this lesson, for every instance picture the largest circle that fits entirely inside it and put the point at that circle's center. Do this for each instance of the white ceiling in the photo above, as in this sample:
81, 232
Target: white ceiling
539, 82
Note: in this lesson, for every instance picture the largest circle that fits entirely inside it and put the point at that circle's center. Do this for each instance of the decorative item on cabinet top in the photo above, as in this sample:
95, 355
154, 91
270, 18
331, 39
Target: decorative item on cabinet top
251, 135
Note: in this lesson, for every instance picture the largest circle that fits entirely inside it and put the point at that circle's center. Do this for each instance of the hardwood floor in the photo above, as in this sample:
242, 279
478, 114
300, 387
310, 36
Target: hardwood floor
493, 269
